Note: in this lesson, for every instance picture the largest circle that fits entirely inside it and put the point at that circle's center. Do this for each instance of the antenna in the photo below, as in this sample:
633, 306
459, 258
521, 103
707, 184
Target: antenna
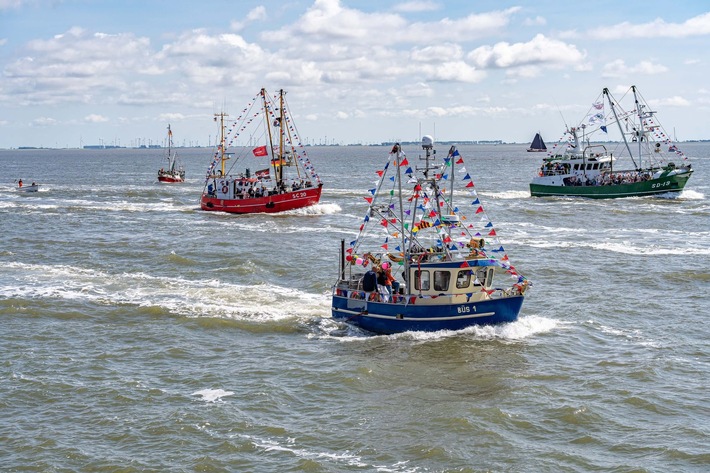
560, 110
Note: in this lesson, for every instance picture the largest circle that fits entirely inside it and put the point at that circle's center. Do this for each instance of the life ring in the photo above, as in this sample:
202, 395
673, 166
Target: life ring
372, 258
395, 258
476, 243
225, 189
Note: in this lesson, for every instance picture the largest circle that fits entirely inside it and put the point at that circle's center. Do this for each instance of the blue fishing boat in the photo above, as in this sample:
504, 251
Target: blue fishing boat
419, 263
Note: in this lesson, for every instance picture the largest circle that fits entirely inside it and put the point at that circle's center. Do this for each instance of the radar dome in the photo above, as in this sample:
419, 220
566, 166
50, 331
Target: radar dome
427, 141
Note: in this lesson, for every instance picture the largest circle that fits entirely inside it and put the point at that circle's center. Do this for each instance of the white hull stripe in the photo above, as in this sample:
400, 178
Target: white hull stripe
416, 319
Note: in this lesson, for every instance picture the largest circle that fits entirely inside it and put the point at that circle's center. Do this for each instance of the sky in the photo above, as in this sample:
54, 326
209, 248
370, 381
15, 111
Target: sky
117, 72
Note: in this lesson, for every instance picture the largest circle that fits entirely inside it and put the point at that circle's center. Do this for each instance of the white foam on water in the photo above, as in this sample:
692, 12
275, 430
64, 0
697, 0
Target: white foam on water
318, 209
506, 195
685, 194
523, 328
288, 446
212, 395
189, 298
626, 247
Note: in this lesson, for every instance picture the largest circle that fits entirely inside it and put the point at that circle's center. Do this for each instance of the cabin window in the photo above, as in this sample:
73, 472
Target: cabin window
489, 277
596, 165
589, 166
480, 277
463, 280
441, 280
421, 280
576, 167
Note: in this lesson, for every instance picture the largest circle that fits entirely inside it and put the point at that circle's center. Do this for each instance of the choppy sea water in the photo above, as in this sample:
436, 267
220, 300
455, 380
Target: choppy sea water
139, 333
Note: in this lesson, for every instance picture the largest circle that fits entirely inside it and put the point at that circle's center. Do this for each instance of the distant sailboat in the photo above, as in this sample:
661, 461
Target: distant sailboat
537, 144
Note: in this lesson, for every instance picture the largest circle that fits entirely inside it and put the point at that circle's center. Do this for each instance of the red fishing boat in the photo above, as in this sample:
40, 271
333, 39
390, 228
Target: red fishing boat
285, 178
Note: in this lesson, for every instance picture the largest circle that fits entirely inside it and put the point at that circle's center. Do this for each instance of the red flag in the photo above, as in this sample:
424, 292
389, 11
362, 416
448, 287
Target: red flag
470, 184
492, 233
368, 199
404, 162
479, 210
260, 151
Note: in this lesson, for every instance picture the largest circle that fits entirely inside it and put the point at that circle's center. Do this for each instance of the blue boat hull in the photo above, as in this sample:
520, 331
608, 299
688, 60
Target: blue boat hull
389, 318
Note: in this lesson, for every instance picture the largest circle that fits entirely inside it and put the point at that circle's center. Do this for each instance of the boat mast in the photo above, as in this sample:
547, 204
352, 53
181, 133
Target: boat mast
618, 122
223, 157
453, 175
267, 121
401, 207
280, 170
171, 164
643, 115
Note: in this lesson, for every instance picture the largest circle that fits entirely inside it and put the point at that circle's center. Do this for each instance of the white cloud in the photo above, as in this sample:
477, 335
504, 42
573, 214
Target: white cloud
658, 28
416, 6
540, 50
77, 66
44, 121
10, 4
166, 117
255, 14
618, 68
328, 21
437, 53
537, 21
95, 118
675, 101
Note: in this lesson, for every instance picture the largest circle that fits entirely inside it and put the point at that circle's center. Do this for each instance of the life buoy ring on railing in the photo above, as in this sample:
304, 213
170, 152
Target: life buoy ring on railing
225, 189
395, 258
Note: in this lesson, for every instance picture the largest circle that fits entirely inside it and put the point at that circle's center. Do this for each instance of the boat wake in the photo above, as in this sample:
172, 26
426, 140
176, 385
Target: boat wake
318, 209
523, 328
686, 194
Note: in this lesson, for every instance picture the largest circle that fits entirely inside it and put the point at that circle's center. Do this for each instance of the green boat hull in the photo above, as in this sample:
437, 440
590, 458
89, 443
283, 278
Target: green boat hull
661, 185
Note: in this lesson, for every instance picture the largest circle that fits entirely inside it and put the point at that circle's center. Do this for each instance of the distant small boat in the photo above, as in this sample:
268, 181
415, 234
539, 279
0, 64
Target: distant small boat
32, 188
537, 144
175, 172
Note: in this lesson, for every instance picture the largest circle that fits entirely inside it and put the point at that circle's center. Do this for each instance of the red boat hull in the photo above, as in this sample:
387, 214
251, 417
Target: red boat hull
270, 204
169, 178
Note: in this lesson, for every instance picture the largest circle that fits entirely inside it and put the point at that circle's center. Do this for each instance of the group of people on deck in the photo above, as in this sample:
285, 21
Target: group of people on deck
256, 189
380, 283
608, 179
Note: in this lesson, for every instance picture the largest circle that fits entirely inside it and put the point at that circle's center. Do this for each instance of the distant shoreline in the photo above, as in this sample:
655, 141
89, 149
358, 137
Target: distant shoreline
387, 143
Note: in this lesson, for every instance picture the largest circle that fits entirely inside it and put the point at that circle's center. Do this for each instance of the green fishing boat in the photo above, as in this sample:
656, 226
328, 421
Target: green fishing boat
640, 160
